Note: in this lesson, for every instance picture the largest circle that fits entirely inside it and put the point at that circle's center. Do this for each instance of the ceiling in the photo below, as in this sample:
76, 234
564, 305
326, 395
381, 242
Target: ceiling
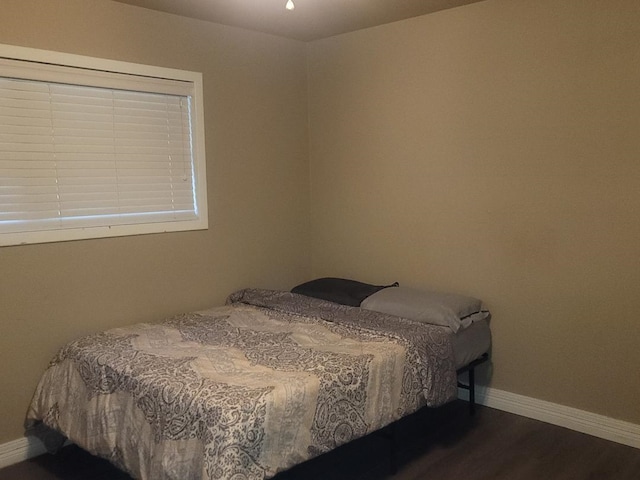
310, 20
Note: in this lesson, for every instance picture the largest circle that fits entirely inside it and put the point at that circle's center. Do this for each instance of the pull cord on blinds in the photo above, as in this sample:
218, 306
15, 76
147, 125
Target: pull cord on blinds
80, 148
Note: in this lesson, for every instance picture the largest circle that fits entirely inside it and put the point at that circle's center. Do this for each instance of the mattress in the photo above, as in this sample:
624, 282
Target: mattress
471, 343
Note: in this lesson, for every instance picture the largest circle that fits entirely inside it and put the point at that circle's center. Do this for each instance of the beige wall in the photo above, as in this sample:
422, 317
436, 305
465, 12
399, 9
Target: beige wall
494, 150
256, 141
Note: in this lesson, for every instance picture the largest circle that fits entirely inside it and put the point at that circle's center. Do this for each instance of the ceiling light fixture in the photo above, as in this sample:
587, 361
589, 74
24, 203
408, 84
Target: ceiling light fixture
289, 5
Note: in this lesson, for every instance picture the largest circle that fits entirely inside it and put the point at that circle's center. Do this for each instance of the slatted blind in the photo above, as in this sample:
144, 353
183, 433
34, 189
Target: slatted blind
85, 155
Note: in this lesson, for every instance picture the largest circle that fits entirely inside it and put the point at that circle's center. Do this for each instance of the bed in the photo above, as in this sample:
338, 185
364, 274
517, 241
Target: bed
249, 389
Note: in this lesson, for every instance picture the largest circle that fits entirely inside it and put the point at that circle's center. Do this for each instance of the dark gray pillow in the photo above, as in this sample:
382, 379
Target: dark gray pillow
339, 290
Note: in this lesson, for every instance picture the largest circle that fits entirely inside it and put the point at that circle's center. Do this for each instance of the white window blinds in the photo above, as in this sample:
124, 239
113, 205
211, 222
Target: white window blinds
79, 155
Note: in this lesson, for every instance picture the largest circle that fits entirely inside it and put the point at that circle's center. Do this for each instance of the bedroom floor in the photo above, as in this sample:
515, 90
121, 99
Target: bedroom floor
440, 444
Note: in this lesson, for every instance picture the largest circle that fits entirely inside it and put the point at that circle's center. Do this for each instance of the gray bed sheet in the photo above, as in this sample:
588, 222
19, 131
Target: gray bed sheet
471, 343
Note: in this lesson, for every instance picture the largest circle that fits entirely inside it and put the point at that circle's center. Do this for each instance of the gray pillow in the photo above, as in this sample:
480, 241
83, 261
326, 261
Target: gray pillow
437, 308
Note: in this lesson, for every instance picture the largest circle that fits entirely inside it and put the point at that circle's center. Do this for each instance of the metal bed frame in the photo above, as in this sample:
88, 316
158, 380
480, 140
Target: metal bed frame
390, 430
471, 387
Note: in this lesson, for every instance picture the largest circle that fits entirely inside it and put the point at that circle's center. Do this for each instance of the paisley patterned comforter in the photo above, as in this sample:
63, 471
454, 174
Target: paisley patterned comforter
242, 391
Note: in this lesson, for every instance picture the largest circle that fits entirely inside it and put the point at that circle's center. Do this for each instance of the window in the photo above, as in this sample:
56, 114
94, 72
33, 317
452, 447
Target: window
95, 148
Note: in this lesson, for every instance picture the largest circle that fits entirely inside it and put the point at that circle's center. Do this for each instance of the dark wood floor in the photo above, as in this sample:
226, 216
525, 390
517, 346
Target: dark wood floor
438, 444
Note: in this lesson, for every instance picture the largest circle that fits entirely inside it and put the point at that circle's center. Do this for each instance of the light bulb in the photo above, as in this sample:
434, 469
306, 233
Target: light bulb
289, 5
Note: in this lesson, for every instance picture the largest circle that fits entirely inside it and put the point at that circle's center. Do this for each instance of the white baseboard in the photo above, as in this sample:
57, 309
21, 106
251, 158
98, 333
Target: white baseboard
593, 424
19, 450
590, 423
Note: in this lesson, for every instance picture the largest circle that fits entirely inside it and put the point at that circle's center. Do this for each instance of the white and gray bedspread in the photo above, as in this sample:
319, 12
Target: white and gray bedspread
242, 391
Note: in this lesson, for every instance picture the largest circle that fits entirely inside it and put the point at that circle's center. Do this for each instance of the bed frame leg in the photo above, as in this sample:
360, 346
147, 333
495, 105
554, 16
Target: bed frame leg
471, 370
472, 391
393, 460
389, 432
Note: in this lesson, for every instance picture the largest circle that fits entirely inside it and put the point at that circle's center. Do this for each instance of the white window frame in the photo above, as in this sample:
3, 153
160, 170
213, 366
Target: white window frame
119, 73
